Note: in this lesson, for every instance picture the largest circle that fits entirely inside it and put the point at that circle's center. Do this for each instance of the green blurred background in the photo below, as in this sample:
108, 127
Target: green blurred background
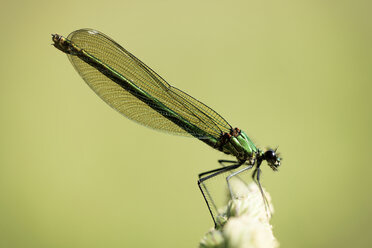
74, 173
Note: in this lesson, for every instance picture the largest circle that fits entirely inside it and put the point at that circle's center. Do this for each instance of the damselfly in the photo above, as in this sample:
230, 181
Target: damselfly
136, 91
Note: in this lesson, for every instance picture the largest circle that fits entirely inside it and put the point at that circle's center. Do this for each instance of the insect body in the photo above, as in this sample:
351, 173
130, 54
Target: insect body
136, 91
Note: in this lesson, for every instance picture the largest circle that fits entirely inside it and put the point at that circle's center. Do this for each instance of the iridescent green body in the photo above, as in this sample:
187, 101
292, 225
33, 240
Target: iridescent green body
240, 146
237, 143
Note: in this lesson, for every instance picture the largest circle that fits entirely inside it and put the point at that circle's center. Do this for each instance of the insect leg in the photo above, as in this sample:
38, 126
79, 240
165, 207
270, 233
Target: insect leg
256, 178
234, 174
218, 169
204, 190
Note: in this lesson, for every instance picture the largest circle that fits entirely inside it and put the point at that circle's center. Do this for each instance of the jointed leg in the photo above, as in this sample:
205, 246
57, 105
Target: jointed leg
211, 174
256, 178
218, 169
234, 174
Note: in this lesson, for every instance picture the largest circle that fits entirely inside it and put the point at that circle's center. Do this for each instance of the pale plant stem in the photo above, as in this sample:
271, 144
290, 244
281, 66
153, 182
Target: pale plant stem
244, 222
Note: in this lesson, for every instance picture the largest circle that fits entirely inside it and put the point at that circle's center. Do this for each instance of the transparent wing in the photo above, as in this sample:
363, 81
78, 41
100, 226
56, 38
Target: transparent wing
133, 106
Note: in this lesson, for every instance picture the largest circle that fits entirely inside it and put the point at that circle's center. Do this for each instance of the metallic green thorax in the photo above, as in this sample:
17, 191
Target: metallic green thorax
235, 143
238, 144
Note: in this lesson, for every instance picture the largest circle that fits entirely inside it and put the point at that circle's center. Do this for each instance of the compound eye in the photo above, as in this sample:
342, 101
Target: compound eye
270, 155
